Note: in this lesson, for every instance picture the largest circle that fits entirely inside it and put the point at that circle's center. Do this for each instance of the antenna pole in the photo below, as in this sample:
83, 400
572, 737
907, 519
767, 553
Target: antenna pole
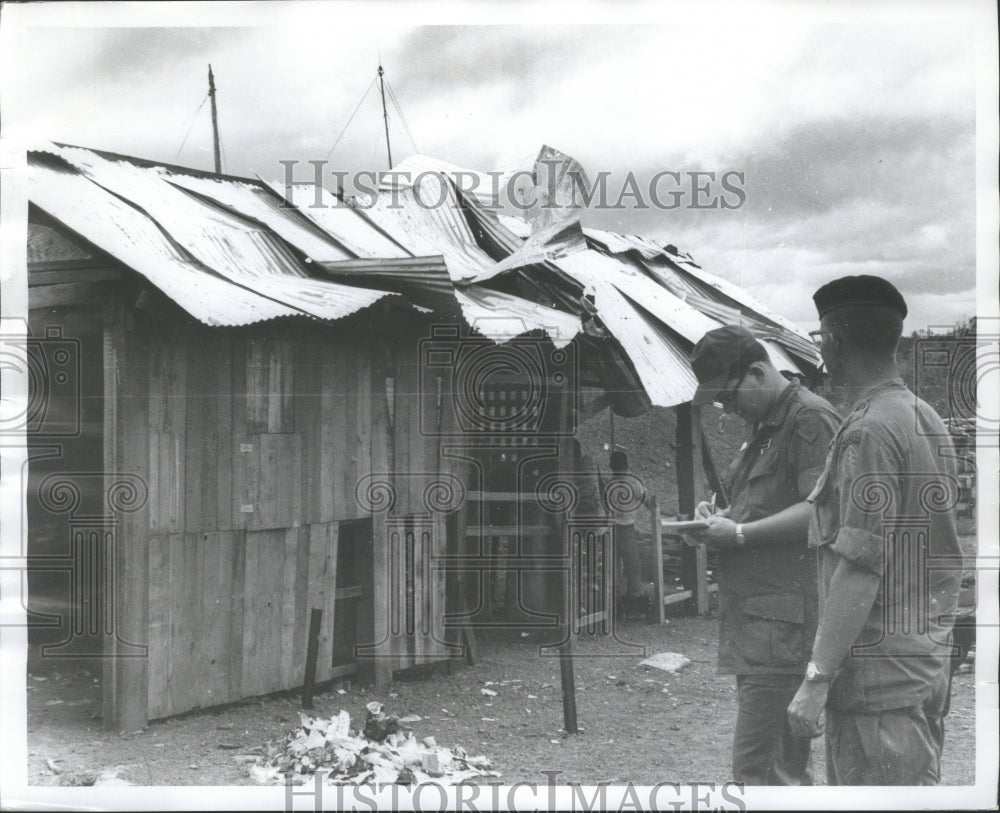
385, 114
215, 122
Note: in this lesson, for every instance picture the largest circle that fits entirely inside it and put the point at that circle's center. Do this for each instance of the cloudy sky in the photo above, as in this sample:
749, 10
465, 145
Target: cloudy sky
855, 130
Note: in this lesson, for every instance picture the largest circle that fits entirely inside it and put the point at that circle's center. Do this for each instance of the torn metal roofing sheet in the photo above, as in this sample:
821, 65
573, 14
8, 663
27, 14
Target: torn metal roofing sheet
485, 186
749, 301
136, 241
201, 236
550, 243
661, 364
251, 201
231, 246
590, 267
422, 228
781, 359
348, 225
423, 280
500, 316
623, 243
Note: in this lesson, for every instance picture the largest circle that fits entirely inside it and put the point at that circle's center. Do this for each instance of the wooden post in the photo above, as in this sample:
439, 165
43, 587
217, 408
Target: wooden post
690, 479
568, 683
312, 654
215, 122
126, 451
658, 558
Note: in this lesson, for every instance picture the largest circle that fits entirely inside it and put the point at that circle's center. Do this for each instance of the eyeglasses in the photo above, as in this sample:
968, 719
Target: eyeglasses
816, 336
727, 397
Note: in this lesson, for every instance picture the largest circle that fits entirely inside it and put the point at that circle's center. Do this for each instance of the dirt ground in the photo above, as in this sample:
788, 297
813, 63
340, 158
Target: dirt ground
637, 723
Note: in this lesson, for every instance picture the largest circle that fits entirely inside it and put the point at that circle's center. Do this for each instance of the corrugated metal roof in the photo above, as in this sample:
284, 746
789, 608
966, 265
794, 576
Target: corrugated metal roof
423, 280
750, 302
781, 359
431, 222
349, 226
231, 246
662, 365
500, 316
251, 201
550, 243
136, 241
623, 243
485, 187
250, 257
590, 267
221, 248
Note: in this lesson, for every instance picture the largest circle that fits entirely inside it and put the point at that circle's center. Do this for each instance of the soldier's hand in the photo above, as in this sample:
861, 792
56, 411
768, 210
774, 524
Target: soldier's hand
704, 510
805, 714
721, 532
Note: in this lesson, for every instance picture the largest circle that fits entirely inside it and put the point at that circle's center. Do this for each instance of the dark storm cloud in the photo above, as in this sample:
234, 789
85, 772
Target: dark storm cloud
134, 51
442, 58
819, 165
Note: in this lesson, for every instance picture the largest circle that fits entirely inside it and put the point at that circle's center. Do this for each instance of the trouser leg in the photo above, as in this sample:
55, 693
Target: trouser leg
894, 747
765, 752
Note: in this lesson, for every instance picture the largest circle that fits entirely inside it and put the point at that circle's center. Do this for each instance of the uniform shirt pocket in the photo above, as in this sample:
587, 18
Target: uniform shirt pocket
773, 629
765, 487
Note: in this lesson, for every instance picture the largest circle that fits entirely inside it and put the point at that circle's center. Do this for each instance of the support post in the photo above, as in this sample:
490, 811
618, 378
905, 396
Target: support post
312, 655
658, 559
568, 683
690, 479
126, 433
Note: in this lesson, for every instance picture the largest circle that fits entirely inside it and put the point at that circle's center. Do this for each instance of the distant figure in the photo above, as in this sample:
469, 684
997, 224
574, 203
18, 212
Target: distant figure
883, 511
626, 498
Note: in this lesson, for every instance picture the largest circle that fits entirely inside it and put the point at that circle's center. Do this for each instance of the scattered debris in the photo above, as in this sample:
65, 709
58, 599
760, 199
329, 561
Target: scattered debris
53, 702
667, 661
488, 692
383, 751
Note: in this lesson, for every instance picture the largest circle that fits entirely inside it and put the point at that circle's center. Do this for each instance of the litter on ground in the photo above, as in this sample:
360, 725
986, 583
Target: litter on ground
667, 661
383, 751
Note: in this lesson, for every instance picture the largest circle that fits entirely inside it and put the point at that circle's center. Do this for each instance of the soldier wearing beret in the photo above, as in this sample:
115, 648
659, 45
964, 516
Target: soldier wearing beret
882, 513
766, 573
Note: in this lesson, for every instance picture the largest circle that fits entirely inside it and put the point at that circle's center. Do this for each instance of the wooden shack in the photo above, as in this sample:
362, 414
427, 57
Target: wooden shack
272, 426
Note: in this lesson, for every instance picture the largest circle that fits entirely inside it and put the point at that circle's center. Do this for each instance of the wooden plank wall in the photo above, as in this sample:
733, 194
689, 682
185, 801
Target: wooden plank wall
256, 444
409, 591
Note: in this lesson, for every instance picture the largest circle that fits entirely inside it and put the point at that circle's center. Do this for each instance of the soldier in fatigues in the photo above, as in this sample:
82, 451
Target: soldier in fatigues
766, 573
883, 512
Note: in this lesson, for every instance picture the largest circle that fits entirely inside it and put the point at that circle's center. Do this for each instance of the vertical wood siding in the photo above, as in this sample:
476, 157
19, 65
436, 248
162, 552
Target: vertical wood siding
255, 447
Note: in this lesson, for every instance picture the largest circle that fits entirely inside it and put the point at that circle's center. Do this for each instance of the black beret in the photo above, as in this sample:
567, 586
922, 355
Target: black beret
860, 290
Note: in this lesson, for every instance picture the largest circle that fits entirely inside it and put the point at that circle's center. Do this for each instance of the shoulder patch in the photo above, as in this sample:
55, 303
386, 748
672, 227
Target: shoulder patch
850, 438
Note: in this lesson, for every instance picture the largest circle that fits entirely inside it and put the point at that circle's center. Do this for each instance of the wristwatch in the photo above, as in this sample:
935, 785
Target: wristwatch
741, 540
813, 675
